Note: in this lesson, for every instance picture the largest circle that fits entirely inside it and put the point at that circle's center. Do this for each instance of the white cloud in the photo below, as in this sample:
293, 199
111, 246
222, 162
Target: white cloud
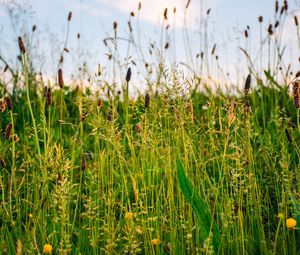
153, 10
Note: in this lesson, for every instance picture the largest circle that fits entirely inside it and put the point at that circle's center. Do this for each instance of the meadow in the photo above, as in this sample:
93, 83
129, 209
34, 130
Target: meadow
173, 170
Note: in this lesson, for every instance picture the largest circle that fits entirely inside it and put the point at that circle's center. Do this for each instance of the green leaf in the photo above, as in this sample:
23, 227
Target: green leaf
192, 196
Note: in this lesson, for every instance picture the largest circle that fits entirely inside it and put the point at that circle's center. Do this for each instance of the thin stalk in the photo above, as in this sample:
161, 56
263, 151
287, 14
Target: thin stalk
30, 109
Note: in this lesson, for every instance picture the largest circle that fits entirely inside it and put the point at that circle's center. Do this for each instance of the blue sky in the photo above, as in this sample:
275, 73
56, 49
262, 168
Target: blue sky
93, 19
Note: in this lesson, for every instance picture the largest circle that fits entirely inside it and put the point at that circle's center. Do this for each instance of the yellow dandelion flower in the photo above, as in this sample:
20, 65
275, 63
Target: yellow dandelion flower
30, 215
47, 249
128, 216
155, 242
290, 223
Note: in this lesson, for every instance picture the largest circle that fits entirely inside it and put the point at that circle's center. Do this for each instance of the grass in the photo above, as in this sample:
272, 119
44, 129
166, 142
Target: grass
172, 171
240, 162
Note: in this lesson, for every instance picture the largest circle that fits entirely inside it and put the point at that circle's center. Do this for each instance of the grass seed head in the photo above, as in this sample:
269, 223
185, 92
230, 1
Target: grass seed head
21, 45
49, 97
128, 74
166, 14
2, 163
296, 21
2, 105
247, 84
9, 103
69, 16
60, 78
8, 131
276, 6
5, 68
139, 128
288, 136
147, 100
33, 28
270, 30
83, 162
260, 19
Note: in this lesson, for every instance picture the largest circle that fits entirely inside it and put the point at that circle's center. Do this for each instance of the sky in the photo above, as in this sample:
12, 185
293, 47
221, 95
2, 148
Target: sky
186, 35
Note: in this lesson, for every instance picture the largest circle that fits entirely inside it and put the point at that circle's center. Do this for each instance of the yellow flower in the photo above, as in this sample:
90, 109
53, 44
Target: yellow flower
128, 216
30, 215
281, 216
290, 223
155, 242
47, 249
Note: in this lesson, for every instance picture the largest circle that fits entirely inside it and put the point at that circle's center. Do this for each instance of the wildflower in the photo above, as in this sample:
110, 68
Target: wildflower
155, 242
47, 249
281, 216
291, 223
30, 215
128, 216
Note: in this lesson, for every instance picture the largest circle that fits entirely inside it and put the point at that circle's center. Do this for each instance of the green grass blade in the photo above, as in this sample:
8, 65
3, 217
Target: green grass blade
192, 196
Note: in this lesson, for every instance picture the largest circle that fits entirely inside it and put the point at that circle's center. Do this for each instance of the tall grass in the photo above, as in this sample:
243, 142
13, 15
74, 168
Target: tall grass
172, 171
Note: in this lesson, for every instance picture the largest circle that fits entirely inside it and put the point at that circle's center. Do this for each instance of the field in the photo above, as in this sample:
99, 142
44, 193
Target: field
173, 170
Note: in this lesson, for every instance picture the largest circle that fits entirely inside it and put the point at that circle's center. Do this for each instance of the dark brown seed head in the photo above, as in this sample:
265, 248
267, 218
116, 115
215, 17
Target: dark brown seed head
115, 26
247, 84
270, 29
84, 115
129, 26
99, 102
5, 68
296, 93
187, 4
296, 21
260, 19
128, 74
2, 163
147, 100
276, 6
213, 49
8, 131
140, 6
285, 5
60, 78
110, 115
276, 24
78, 35
83, 162
288, 136
208, 11
282, 10
247, 105
49, 97
21, 45
166, 13
61, 59
246, 33
9, 103
45, 91
33, 28
174, 10
132, 14
69, 16
167, 46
